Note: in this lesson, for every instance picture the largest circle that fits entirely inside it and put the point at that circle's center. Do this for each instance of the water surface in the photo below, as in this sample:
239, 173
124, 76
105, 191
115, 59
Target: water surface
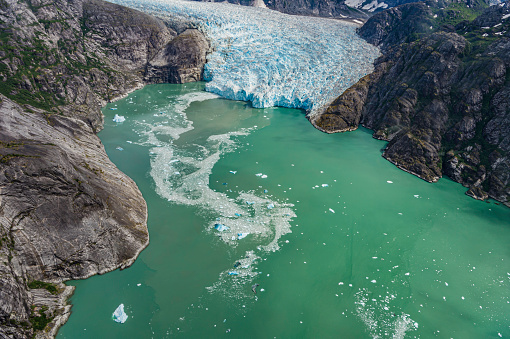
341, 242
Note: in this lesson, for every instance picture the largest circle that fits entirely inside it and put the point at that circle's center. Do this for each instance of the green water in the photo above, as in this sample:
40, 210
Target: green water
378, 253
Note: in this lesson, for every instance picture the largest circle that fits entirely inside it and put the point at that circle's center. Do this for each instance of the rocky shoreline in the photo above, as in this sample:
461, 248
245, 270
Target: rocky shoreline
438, 94
66, 211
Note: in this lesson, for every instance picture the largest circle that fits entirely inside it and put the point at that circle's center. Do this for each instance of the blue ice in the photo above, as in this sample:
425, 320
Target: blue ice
119, 315
270, 58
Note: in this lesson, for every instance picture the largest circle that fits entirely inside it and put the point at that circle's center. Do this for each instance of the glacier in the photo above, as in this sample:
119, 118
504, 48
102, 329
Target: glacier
270, 58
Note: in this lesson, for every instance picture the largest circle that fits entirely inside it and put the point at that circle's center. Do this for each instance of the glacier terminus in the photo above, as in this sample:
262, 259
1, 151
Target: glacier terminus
270, 58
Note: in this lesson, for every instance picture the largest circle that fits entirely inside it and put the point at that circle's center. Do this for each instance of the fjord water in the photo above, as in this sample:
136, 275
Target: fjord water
341, 242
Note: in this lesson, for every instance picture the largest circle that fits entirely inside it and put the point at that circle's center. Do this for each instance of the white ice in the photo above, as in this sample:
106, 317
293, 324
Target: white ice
119, 315
118, 118
270, 58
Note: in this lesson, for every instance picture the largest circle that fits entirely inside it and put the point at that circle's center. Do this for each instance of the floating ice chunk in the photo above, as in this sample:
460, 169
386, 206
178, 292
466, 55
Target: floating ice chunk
138, 284
119, 148
258, 174
416, 195
332, 210
129, 141
233, 172
389, 181
119, 315
265, 191
233, 273
242, 235
250, 202
113, 109
220, 227
270, 206
263, 176
118, 118
325, 185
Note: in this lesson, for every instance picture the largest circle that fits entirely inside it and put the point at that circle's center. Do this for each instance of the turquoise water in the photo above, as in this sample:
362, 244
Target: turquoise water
377, 253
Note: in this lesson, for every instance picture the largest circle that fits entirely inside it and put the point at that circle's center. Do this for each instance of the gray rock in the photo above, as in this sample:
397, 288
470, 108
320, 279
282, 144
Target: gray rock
181, 60
66, 212
440, 102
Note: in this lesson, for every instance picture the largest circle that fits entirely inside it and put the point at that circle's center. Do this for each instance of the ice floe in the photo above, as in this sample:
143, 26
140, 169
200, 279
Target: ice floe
119, 315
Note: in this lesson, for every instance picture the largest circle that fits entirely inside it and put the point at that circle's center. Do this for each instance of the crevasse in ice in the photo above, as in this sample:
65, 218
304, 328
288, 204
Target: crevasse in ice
270, 58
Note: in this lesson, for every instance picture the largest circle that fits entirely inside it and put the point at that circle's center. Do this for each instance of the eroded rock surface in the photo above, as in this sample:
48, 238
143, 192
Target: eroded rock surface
181, 60
66, 212
439, 95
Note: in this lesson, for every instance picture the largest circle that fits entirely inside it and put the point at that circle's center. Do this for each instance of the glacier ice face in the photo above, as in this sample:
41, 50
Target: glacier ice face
270, 58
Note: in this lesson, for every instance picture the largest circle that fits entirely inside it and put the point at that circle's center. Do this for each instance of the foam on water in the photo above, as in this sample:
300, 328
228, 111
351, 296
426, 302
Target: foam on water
181, 174
270, 58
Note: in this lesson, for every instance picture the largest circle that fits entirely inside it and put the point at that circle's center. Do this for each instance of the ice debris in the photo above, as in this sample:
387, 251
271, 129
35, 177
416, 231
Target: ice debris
242, 235
332, 210
119, 315
220, 227
233, 172
118, 148
119, 118
270, 206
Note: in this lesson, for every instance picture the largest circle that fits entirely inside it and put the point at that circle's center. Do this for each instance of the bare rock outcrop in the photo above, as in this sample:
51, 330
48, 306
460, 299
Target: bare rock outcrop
66, 212
438, 95
181, 60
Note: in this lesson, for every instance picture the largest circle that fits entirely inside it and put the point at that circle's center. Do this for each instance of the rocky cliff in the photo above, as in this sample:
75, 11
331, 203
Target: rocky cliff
341, 9
439, 94
66, 212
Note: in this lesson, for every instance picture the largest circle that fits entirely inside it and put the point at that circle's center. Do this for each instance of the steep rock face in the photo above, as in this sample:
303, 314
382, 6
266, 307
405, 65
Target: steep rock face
66, 212
439, 98
323, 8
181, 60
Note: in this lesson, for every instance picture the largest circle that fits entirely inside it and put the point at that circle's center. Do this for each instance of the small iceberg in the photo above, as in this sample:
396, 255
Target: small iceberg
113, 108
332, 210
118, 118
119, 315
233, 172
325, 185
220, 227
242, 235
119, 148
270, 206
233, 273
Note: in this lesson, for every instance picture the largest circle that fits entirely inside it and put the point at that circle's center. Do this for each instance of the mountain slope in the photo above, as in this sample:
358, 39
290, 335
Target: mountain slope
439, 94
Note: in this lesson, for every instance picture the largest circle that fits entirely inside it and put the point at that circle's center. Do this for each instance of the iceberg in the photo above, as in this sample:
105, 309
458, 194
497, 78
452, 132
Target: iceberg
119, 315
118, 118
220, 227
